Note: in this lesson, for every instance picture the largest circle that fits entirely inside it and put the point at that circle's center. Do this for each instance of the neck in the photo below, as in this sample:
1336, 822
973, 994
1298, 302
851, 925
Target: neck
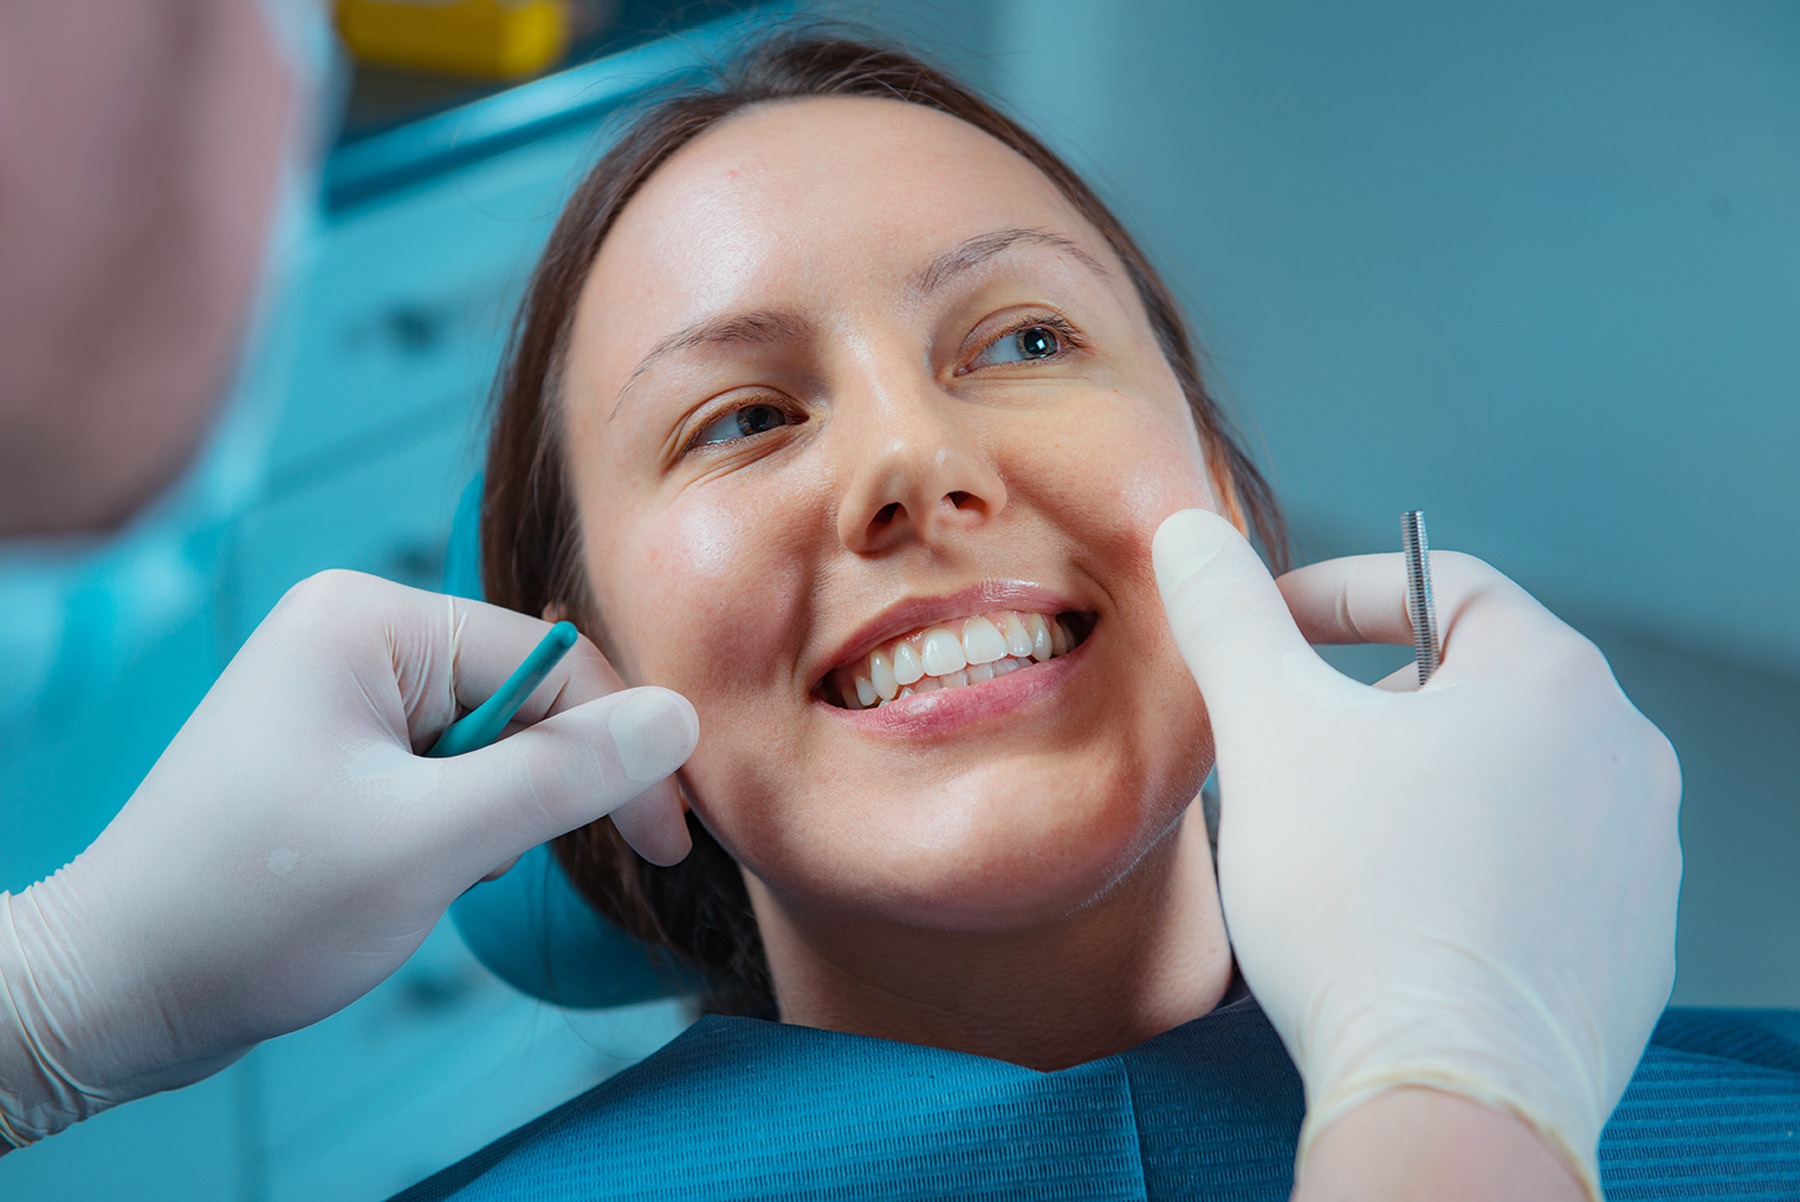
1147, 956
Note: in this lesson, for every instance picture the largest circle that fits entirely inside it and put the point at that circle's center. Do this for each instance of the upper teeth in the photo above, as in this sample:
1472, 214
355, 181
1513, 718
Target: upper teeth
966, 651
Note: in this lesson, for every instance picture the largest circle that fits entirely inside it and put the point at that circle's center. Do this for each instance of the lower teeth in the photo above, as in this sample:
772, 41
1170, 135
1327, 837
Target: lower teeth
974, 674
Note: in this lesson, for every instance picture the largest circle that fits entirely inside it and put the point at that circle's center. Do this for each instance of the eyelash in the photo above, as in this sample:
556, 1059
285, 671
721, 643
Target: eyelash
694, 443
1066, 337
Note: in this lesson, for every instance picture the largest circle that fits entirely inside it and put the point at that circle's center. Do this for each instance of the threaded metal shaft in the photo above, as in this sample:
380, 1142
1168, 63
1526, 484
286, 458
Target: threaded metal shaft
1420, 611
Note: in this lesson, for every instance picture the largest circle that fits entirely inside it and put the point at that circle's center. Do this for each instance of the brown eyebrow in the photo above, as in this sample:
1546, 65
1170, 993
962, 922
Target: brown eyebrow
771, 326
972, 252
762, 325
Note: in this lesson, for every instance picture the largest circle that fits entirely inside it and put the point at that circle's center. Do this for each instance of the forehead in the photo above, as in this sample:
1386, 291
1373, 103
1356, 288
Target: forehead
803, 202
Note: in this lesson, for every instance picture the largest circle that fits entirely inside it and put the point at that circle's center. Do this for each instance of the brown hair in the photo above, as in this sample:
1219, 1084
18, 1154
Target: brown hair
530, 542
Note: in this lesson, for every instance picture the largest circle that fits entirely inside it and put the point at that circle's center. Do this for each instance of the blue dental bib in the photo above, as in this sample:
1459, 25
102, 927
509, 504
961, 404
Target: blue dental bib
743, 1108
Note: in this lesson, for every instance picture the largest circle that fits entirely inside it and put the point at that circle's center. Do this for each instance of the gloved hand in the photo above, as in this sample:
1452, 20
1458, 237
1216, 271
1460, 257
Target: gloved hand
290, 849
1468, 886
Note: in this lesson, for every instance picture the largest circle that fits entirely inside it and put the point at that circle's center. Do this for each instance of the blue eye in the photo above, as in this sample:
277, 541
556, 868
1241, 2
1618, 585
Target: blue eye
747, 422
1041, 341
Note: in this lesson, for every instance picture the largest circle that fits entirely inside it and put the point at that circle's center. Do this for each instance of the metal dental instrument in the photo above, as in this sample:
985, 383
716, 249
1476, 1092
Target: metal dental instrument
1427, 650
483, 724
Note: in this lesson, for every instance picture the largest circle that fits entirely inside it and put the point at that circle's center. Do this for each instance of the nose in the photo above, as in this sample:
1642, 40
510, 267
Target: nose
919, 473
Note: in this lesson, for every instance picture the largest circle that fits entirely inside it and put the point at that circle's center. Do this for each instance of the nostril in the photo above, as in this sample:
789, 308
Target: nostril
888, 513
962, 500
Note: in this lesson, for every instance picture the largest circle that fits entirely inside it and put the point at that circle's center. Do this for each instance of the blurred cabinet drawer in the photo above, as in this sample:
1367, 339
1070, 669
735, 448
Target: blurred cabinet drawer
409, 302
387, 514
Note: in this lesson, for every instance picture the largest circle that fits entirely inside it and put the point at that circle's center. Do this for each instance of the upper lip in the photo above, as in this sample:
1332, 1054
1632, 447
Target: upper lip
911, 613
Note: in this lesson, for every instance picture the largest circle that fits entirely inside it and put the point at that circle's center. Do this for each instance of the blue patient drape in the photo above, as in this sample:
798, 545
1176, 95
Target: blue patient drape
743, 1108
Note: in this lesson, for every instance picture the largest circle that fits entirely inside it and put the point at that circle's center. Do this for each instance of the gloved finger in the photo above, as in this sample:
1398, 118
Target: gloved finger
1362, 599
449, 654
1229, 620
1355, 599
492, 642
567, 771
496, 873
655, 824
487, 643
419, 656
1400, 680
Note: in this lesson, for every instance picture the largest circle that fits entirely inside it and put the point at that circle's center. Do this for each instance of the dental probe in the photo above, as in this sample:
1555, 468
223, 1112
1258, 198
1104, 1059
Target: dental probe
483, 724
1427, 650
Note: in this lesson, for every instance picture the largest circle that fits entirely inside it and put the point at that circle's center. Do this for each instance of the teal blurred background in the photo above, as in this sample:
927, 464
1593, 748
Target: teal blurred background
1532, 267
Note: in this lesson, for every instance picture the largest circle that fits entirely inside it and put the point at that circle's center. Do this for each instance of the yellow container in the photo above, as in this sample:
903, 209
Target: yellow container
481, 39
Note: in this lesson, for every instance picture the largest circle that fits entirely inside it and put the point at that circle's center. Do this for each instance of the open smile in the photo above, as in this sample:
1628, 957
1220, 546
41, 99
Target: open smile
954, 654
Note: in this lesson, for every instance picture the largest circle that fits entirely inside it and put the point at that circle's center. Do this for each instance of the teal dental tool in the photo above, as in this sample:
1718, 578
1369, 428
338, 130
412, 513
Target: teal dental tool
483, 724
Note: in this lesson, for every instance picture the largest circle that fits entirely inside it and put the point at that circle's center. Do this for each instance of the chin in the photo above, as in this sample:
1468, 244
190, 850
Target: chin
999, 821
1003, 847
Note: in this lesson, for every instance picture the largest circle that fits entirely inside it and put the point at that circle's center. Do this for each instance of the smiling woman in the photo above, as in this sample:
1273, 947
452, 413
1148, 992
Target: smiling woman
845, 408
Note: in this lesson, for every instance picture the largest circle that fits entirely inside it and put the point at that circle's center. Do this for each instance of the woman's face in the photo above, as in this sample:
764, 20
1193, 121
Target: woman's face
847, 373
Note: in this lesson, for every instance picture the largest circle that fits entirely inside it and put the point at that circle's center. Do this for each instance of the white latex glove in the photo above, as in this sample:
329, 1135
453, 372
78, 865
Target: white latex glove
290, 849
1468, 886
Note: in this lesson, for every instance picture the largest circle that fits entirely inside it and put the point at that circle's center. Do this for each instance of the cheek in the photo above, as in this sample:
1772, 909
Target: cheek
667, 588
1167, 478
711, 613
699, 545
1141, 462
702, 598
1114, 477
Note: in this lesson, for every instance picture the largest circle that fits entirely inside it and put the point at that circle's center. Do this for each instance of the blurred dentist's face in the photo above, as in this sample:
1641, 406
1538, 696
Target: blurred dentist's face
858, 407
140, 143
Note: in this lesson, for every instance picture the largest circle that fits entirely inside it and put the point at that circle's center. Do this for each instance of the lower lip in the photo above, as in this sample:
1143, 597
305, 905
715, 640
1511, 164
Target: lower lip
943, 710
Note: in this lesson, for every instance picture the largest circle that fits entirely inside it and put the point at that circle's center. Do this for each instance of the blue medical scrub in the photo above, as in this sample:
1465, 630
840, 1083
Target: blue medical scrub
744, 1108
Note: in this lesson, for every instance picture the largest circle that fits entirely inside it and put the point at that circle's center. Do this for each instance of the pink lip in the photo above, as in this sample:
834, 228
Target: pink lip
944, 710
914, 612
